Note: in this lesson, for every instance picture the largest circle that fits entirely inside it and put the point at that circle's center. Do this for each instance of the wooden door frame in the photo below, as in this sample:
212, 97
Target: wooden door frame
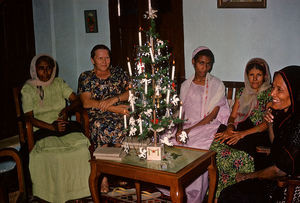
115, 39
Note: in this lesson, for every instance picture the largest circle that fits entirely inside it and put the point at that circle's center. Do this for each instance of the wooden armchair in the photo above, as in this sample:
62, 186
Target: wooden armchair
291, 183
21, 193
25, 127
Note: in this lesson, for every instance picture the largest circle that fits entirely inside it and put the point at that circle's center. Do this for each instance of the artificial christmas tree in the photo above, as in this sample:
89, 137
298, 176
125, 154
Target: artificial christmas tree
153, 98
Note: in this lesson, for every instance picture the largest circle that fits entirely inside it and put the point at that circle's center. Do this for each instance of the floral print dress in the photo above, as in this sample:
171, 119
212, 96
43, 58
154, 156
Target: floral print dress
232, 161
105, 127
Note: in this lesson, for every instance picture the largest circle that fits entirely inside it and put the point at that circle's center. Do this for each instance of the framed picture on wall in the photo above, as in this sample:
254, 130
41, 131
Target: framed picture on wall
242, 3
90, 19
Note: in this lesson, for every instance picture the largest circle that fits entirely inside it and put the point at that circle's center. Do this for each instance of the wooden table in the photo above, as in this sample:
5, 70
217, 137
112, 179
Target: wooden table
179, 174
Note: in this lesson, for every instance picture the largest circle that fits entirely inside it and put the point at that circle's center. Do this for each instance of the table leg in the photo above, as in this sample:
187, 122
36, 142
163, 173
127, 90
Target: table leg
93, 182
177, 193
212, 172
138, 192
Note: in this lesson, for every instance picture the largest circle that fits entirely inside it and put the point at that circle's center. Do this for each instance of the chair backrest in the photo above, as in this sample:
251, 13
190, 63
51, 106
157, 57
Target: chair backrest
19, 112
231, 89
25, 127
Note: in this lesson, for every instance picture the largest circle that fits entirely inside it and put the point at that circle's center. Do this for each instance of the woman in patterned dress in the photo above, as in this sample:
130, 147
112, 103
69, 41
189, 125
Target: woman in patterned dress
102, 91
236, 145
283, 119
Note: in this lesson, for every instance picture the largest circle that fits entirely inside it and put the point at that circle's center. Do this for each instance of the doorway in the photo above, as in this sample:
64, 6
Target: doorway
126, 16
17, 48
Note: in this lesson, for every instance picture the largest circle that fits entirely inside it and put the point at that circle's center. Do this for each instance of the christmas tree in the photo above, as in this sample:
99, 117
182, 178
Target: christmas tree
152, 95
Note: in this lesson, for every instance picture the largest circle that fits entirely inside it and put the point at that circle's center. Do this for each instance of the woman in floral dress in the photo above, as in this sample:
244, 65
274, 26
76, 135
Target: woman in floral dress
246, 129
102, 91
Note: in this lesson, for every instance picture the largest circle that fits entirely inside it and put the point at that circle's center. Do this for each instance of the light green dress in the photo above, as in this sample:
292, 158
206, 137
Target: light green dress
59, 166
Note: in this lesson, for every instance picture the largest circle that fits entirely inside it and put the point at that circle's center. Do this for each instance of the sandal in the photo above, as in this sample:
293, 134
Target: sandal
147, 195
119, 191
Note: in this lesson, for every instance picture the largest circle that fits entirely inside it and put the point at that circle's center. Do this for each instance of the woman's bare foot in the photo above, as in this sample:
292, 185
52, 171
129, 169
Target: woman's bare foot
104, 185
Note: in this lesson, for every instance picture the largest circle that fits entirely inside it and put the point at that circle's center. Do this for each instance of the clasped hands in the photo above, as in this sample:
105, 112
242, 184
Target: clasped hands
230, 136
60, 124
104, 105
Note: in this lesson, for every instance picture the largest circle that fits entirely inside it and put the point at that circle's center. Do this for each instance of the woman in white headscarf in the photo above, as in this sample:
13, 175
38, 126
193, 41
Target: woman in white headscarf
245, 130
58, 162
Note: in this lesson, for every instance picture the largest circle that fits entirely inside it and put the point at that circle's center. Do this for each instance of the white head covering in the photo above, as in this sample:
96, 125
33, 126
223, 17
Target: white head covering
199, 49
248, 99
35, 81
211, 96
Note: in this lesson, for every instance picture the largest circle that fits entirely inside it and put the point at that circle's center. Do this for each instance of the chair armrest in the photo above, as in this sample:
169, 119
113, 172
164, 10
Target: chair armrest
290, 183
263, 150
83, 118
11, 152
286, 180
29, 134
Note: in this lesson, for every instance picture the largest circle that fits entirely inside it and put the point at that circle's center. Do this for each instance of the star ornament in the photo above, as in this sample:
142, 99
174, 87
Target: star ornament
151, 15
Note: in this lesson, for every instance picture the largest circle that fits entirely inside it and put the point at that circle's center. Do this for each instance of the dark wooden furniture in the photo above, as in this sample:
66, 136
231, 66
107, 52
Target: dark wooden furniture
21, 193
19, 113
290, 183
141, 171
231, 88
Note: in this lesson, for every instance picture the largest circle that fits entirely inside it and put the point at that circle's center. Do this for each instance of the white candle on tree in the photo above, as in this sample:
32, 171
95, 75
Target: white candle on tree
125, 122
146, 86
173, 71
151, 54
140, 37
141, 126
131, 101
129, 67
180, 110
149, 7
168, 96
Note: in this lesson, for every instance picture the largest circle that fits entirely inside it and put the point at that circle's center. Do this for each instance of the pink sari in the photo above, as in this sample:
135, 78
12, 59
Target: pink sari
195, 98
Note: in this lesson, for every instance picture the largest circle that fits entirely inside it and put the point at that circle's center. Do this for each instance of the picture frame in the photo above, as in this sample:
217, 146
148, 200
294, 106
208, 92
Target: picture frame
242, 3
91, 22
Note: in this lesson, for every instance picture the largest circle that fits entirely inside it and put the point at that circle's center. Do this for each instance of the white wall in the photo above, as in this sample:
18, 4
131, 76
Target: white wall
236, 35
60, 31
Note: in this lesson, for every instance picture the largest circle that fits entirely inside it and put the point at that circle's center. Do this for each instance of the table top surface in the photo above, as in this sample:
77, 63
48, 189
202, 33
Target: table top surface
173, 160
